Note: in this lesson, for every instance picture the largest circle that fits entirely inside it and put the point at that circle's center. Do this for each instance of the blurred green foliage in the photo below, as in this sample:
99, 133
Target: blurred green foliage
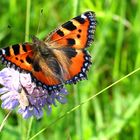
115, 52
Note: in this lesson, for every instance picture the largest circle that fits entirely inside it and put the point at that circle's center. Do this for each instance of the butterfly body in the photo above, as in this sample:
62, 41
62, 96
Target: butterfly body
61, 58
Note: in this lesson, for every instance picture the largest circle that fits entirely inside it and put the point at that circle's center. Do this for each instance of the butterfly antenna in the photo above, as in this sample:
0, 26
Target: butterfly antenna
41, 13
9, 28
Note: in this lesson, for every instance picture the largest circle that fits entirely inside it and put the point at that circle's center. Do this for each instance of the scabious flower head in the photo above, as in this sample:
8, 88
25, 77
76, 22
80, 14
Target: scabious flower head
19, 91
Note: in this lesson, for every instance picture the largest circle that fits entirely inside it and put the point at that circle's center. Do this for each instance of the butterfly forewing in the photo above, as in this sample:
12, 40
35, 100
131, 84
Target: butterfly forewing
18, 56
77, 33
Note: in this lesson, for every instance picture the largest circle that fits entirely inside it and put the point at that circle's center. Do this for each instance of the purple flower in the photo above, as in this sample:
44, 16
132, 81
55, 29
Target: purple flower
19, 91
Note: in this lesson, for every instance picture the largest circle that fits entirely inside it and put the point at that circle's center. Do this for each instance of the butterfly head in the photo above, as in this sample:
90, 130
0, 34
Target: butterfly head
38, 45
36, 41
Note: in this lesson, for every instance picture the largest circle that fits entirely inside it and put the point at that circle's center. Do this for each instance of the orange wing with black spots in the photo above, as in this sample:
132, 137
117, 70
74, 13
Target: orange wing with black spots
77, 32
18, 56
60, 59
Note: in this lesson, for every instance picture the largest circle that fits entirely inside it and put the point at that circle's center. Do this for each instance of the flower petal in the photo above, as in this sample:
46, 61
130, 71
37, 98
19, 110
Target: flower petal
19, 91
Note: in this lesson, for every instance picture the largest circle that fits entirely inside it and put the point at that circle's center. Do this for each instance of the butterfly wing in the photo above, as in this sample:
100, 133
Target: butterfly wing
18, 56
77, 33
72, 38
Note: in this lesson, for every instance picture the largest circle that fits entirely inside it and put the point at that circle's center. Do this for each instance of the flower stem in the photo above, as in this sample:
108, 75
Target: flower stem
27, 26
29, 128
78, 116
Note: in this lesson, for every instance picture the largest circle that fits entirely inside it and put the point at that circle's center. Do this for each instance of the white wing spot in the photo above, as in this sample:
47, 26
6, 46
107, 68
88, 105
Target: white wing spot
83, 16
3, 51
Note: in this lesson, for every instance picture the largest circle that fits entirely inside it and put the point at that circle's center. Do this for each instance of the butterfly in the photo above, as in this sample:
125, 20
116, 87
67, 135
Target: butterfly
61, 58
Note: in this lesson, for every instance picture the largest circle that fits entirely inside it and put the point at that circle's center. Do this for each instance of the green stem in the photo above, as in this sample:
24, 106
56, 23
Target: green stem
78, 117
27, 26
29, 128
120, 35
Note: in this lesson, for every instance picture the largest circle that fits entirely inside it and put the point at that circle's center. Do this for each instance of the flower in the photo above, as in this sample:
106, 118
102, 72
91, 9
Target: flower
19, 91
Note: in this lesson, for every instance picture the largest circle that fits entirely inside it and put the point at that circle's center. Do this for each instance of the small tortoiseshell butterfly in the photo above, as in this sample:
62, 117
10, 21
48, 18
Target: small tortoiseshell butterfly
61, 58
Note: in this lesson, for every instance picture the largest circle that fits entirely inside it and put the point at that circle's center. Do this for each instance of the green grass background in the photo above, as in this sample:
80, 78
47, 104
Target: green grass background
112, 115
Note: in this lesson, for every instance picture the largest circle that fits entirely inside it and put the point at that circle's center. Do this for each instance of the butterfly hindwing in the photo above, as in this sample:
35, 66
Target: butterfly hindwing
79, 66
